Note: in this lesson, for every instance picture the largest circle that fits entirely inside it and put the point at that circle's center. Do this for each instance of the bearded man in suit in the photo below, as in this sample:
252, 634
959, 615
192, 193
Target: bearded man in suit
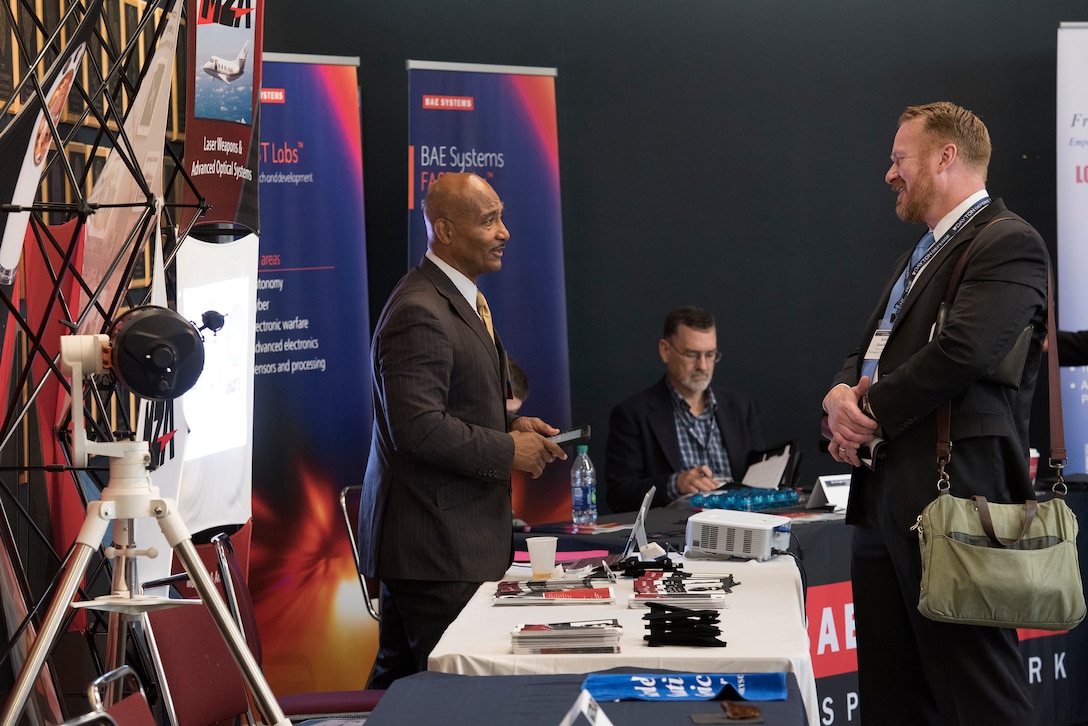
435, 519
882, 408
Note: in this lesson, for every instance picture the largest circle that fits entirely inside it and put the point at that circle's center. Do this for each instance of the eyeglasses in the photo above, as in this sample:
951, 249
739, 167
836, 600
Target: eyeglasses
694, 356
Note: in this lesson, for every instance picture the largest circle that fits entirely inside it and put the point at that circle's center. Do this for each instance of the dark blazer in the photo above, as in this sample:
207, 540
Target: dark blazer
1073, 347
644, 450
436, 494
1003, 289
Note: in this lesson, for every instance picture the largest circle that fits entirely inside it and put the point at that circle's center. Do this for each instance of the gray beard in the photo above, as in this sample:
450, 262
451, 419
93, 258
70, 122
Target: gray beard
698, 386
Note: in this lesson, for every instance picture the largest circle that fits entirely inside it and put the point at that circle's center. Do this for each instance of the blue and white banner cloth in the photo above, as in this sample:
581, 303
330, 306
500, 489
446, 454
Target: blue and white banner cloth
686, 686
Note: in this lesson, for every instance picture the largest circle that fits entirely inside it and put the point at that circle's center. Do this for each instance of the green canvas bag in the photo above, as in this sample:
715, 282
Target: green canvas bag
1005, 565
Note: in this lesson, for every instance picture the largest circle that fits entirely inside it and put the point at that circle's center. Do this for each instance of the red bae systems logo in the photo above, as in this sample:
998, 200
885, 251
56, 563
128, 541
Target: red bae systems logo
449, 103
225, 12
831, 635
273, 95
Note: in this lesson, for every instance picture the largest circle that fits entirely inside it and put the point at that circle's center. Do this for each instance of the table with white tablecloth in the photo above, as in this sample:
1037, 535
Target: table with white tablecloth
763, 627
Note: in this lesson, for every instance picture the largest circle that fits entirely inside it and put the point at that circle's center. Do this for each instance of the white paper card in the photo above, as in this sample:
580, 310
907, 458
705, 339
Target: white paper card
830, 490
587, 706
767, 473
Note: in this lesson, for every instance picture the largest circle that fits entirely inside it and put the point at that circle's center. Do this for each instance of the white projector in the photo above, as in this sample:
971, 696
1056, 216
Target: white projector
724, 532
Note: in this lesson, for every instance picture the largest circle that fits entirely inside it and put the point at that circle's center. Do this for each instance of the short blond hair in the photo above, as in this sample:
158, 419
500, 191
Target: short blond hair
945, 122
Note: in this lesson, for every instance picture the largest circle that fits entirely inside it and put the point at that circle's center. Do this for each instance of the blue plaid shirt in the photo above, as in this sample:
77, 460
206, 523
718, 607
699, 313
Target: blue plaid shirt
700, 440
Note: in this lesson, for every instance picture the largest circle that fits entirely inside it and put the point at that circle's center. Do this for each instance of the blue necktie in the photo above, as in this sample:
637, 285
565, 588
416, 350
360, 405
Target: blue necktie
868, 367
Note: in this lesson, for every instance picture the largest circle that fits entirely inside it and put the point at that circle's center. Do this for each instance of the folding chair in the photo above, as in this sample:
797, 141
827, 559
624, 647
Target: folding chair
349, 506
201, 682
130, 710
296, 706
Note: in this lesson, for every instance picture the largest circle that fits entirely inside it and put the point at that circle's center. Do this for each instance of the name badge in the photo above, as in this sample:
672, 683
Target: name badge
876, 345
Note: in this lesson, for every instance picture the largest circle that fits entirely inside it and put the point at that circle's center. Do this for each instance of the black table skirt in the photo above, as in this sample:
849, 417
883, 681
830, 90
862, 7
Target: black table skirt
455, 700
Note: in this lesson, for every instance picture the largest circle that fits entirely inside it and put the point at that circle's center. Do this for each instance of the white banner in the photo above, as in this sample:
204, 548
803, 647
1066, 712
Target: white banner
216, 478
1072, 165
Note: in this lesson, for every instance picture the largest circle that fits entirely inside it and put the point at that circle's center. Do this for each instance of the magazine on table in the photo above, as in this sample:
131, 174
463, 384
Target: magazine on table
700, 591
543, 592
579, 636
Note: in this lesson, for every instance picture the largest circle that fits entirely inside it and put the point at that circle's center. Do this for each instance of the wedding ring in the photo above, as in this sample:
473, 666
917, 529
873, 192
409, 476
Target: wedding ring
842, 449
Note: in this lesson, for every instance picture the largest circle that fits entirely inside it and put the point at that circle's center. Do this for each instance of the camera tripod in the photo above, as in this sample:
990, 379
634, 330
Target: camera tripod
129, 495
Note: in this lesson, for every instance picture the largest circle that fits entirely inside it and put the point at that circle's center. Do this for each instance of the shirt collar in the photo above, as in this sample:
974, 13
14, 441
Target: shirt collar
949, 219
681, 404
464, 285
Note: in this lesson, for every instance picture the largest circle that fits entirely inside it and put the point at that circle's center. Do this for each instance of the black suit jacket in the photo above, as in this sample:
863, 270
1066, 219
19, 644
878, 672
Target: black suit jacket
1073, 347
436, 494
1003, 289
644, 450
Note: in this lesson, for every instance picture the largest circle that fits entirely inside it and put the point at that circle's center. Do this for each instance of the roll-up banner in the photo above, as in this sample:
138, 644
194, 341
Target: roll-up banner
500, 122
222, 116
312, 411
1072, 166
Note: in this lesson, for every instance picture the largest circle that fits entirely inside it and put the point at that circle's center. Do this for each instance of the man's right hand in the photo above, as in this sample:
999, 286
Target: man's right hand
698, 479
532, 452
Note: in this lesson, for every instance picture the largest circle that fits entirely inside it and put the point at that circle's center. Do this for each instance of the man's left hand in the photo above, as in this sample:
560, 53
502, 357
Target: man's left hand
848, 425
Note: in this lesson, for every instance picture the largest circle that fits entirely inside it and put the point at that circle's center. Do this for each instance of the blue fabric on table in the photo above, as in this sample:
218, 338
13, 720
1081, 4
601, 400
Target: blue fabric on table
686, 686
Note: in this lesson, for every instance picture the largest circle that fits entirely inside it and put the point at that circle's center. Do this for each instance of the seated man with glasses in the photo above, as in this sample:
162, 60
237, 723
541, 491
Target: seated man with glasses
682, 434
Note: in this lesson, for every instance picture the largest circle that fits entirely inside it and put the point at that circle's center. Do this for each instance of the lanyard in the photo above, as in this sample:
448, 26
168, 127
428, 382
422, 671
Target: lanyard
936, 248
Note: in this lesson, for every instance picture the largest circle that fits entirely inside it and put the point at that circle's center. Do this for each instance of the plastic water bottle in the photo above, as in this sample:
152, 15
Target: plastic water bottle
583, 488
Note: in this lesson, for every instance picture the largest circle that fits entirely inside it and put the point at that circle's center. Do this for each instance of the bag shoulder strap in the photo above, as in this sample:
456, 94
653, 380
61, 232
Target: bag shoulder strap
944, 413
1057, 431
957, 272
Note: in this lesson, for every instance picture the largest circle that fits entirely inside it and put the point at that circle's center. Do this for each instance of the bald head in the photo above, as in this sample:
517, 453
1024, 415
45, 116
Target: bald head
464, 223
453, 196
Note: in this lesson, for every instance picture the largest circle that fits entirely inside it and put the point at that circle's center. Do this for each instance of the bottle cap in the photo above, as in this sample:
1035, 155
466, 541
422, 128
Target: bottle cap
581, 448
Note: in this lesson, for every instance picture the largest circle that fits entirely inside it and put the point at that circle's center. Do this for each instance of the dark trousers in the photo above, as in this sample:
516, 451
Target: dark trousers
414, 615
912, 670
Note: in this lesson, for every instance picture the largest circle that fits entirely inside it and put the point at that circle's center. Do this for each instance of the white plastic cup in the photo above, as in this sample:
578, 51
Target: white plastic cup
541, 556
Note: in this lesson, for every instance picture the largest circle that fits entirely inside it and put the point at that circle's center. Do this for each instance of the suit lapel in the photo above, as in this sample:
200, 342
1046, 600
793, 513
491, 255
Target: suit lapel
466, 312
662, 421
951, 252
926, 276
878, 311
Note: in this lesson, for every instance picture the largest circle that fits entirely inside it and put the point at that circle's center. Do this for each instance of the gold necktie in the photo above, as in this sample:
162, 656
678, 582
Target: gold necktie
485, 314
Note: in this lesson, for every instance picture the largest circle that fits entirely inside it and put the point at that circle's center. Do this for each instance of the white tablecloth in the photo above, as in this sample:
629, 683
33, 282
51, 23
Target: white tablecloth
763, 626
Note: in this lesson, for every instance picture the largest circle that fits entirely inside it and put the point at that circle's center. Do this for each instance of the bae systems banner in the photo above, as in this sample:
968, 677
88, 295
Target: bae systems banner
222, 117
500, 122
311, 410
1072, 152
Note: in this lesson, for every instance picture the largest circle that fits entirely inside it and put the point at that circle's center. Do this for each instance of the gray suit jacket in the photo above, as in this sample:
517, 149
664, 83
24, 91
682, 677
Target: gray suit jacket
436, 494
1003, 288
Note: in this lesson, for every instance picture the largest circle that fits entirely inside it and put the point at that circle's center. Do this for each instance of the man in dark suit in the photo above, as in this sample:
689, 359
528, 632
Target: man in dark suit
682, 435
912, 670
435, 517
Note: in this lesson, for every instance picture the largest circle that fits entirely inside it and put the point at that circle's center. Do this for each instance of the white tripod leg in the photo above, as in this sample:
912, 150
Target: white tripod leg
87, 542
